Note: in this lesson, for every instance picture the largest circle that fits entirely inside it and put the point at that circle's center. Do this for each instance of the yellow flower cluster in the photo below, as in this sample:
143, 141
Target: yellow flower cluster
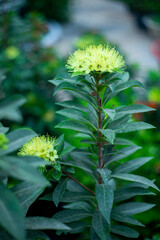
95, 58
42, 147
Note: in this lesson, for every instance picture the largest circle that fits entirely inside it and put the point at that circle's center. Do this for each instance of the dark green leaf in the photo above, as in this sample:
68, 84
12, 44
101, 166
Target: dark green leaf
132, 165
126, 219
77, 196
17, 138
122, 153
72, 215
132, 208
136, 108
105, 196
123, 141
128, 84
79, 205
59, 144
37, 223
19, 169
110, 112
105, 174
11, 217
67, 150
132, 126
126, 193
27, 193
59, 191
100, 226
135, 178
124, 231
109, 134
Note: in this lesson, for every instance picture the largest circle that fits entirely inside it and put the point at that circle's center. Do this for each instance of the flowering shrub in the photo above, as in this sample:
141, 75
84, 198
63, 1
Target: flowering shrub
105, 211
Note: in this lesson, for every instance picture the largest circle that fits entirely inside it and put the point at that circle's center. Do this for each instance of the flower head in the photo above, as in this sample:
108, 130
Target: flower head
42, 147
95, 58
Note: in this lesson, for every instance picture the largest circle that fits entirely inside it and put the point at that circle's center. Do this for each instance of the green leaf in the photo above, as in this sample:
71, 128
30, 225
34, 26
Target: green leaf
27, 193
100, 226
105, 174
77, 227
110, 112
20, 169
131, 165
11, 217
79, 205
72, 215
126, 193
59, 191
105, 197
36, 235
67, 150
136, 108
59, 144
72, 125
17, 139
135, 178
94, 236
128, 84
123, 141
109, 134
124, 231
122, 153
132, 208
125, 219
77, 196
73, 105
132, 126
36, 223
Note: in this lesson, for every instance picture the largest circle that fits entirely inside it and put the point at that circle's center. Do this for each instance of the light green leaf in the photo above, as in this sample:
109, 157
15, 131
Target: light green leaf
11, 217
37, 223
3, 129
124, 231
135, 178
100, 226
59, 191
132, 208
72, 215
109, 134
131, 165
105, 197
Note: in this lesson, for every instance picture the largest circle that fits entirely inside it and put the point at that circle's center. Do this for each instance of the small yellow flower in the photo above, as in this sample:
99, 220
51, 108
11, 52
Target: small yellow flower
12, 52
3, 141
95, 58
42, 147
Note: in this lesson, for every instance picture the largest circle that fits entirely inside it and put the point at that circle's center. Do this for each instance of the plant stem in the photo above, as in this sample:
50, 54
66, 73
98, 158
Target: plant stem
99, 143
74, 179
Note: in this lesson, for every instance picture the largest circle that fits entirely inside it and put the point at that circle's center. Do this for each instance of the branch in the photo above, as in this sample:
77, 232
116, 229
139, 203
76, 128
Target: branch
74, 179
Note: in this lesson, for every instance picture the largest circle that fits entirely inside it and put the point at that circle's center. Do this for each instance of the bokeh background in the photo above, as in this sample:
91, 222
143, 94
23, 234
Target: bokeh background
36, 38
